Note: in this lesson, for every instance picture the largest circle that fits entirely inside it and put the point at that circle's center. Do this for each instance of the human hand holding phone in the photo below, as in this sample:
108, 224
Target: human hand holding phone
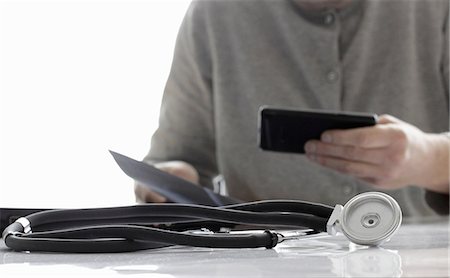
383, 151
287, 130
389, 155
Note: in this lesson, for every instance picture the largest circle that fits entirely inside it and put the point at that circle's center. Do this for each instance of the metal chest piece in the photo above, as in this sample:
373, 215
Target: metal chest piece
369, 218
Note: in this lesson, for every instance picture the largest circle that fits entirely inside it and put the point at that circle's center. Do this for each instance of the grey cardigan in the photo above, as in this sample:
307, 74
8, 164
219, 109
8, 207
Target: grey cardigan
232, 57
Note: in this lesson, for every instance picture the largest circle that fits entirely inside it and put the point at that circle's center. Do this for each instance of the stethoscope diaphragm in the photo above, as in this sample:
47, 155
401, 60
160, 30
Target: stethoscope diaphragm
369, 218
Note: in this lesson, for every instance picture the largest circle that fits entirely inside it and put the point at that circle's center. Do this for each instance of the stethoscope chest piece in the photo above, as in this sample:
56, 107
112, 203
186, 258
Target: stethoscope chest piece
369, 218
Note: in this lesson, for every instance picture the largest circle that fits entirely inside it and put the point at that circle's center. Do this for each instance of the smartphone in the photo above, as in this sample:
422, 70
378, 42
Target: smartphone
285, 130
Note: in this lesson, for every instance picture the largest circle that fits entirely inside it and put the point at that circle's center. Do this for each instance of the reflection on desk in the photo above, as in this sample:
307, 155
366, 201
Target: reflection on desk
417, 250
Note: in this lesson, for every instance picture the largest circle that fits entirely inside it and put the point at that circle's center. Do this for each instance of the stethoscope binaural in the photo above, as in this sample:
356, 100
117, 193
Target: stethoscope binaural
369, 218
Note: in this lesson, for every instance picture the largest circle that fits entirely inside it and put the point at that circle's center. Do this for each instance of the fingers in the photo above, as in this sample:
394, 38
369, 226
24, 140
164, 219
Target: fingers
180, 169
376, 154
144, 195
388, 119
354, 153
378, 136
367, 137
357, 169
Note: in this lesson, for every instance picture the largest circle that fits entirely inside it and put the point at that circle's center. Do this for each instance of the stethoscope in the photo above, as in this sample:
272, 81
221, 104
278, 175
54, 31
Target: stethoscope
369, 218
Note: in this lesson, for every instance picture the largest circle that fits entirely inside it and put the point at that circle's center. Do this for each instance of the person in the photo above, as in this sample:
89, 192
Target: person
383, 57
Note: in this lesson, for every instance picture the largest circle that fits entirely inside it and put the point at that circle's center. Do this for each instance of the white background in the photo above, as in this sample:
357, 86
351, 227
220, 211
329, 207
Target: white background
78, 78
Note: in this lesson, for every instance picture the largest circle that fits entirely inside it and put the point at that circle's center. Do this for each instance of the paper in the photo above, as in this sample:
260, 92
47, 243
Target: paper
175, 189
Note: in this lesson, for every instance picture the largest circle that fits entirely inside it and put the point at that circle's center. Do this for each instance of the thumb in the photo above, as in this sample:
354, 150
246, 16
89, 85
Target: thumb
145, 195
388, 119
180, 169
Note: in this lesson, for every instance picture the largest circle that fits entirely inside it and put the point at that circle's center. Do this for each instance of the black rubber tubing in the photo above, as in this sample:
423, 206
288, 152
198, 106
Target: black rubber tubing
302, 217
132, 238
143, 238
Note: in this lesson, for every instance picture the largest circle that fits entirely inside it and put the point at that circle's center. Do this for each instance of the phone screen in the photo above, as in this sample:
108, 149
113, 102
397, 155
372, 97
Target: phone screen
284, 130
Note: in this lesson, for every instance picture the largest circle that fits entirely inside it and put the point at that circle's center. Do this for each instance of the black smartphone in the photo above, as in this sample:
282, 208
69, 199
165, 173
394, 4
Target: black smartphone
285, 130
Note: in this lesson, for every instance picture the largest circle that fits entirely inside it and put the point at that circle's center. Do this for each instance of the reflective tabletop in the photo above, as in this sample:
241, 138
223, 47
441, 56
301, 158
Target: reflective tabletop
417, 250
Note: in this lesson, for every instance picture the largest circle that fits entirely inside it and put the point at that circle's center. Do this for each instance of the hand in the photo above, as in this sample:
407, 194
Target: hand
389, 155
177, 168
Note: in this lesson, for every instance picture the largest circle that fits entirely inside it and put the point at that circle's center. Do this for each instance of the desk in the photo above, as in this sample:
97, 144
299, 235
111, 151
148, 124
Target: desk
417, 250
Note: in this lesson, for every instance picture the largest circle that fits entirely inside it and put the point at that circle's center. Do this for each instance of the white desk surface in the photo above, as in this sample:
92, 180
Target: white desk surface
417, 250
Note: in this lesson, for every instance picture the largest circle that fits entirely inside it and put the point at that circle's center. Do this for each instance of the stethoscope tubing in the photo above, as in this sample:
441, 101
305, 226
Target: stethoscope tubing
117, 237
234, 216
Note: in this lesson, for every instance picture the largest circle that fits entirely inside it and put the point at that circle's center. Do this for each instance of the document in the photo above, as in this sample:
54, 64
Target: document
175, 189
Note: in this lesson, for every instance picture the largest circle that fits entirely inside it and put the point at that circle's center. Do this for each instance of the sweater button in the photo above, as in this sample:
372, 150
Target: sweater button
332, 76
329, 19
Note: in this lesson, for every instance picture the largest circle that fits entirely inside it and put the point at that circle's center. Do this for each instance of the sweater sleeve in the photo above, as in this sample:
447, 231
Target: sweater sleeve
439, 202
445, 54
186, 123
